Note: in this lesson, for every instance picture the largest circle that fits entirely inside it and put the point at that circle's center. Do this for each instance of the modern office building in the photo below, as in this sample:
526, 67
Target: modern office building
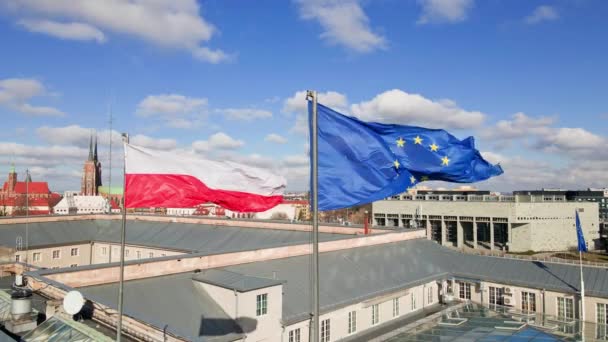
227, 280
515, 223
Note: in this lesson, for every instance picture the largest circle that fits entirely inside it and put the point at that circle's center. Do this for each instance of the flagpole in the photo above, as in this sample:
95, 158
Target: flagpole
125, 138
315, 218
582, 315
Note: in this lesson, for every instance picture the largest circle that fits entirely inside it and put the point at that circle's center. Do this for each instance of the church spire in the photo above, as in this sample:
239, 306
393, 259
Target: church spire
91, 147
95, 151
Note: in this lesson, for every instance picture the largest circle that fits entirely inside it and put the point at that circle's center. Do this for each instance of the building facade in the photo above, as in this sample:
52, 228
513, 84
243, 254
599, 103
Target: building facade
91, 177
512, 223
20, 197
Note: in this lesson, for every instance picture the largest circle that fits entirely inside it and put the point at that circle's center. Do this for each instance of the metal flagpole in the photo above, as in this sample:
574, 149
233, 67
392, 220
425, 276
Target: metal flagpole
125, 138
27, 217
315, 218
582, 315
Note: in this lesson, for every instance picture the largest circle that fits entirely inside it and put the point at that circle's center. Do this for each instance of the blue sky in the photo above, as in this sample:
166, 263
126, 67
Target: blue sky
221, 78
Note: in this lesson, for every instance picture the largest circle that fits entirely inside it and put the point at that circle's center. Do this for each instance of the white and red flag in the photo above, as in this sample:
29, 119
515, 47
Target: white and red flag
164, 179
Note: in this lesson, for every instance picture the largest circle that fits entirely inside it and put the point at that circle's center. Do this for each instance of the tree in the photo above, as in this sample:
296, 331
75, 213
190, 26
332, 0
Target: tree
279, 216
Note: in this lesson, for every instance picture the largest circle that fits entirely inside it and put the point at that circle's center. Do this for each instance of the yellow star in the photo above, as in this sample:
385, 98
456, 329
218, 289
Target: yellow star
413, 179
434, 147
417, 140
396, 163
400, 142
445, 160
424, 178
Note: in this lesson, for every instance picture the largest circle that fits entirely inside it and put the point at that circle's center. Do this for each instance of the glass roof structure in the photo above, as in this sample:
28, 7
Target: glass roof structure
57, 329
472, 322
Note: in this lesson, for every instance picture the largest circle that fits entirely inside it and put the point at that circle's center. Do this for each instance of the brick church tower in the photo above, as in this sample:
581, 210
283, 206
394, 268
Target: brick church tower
91, 178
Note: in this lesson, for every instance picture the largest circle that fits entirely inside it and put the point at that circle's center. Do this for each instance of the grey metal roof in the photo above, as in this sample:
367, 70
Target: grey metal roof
173, 302
179, 236
354, 275
234, 281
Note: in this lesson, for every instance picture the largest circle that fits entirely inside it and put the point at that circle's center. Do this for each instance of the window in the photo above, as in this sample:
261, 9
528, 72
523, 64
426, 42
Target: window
17, 257
126, 252
294, 335
395, 307
56, 254
151, 255
325, 331
413, 299
429, 297
74, 252
352, 322
37, 257
104, 250
261, 307
601, 313
465, 290
565, 309
375, 314
73, 265
528, 301
138, 254
496, 295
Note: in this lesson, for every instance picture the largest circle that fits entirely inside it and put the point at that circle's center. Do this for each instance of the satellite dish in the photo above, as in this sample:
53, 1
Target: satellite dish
73, 302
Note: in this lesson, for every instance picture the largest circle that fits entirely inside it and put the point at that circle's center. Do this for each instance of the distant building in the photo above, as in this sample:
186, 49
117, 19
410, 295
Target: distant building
72, 204
515, 223
91, 177
599, 196
18, 197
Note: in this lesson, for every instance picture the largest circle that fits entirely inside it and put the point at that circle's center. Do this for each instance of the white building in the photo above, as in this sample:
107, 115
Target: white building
72, 204
516, 223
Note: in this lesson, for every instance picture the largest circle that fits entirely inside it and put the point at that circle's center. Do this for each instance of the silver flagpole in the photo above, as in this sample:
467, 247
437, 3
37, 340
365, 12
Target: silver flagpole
315, 219
582, 315
121, 283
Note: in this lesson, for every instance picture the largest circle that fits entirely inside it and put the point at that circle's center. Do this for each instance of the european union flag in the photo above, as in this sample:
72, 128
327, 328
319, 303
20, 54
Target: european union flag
582, 246
361, 162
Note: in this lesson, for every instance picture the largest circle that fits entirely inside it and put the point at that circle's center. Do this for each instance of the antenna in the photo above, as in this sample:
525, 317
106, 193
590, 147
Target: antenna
110, 163
73, 302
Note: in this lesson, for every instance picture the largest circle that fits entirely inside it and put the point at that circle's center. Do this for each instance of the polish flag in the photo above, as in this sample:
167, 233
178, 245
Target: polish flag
163, 179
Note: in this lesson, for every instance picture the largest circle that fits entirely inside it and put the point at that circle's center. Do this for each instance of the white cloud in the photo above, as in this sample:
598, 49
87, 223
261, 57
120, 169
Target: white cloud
15, 93
520, 126
343, 22
444, 11
397, 106
220, 140
275, 138
245, 114
71, 30
542, 13
572, 139
297, 160
172, 104
167, 23
159, 144
77, 135
177, 111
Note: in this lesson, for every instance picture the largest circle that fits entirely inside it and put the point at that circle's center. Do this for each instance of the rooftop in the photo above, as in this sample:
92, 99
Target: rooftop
177, 236
346, 277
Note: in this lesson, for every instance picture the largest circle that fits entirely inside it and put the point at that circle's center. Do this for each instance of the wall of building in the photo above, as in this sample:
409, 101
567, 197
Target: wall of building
65, 258
537, 226
103, 252
268, 326
339, 318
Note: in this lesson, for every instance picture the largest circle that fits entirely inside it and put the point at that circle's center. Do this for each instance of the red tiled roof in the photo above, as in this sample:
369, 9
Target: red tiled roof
32, 202
114, 205
295, 202
33, 188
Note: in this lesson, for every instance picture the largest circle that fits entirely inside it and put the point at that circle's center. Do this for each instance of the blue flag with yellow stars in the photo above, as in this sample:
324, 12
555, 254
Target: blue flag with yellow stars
361, 162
